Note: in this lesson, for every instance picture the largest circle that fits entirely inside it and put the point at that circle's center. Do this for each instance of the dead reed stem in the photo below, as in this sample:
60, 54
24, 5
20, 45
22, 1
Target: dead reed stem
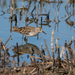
13, 2
62, 52
52, 48
0, 53
17, 54
56, 44
14, 63
41, 22
7, 40
74, 48
67, 58
11, 11
32, 71
59, 60
47, 49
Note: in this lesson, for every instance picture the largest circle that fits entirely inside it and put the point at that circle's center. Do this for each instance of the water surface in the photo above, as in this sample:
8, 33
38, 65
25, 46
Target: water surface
57, 14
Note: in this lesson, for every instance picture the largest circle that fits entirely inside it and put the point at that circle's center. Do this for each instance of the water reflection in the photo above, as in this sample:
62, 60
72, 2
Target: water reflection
26, 48
71, 23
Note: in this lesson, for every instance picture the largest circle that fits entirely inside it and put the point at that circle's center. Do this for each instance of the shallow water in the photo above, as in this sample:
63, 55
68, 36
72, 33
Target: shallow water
57, 11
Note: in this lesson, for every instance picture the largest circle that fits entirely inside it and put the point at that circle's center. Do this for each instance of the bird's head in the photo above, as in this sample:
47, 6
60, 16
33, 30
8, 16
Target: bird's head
40, 30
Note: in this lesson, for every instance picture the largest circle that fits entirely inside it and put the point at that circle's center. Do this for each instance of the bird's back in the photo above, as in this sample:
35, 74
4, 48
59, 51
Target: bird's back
24, 30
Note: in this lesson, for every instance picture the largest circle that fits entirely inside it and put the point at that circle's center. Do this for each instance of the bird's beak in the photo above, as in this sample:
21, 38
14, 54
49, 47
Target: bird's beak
43, 32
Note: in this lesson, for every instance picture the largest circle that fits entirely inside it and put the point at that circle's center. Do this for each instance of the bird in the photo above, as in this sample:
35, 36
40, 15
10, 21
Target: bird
29, 31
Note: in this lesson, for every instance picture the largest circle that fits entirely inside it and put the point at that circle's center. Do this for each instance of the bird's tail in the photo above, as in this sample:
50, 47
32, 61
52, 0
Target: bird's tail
15, 29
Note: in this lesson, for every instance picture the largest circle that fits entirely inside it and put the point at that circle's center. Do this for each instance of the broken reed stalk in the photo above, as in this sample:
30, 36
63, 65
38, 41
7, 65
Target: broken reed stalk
37, 58
4, 48
13, 2
59, 60
24, 71
52, 48
57, 49
2, 45
41, 52
47, 49
68, 18
66, 54
0, 40
67, 59
74, 51
17, 54
7, 40
11, 23
34, 60
15, 19
62, 52
70, 53
48, 16
0, 48
57, 45
70, 43
58, 14
23, 3
41, 22
42, 57
11, 11
74, 48
24, 65
38, 69
0, 54
37, 9
20, 15
32, 70
4, 60
31, 58
55, 16
14, 63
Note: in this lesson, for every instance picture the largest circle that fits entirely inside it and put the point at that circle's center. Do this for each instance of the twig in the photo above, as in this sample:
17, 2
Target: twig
7, 40
68, 17
32, 70
37, 58
35, 73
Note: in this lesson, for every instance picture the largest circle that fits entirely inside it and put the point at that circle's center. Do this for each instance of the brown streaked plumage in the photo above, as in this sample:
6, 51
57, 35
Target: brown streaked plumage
28, 31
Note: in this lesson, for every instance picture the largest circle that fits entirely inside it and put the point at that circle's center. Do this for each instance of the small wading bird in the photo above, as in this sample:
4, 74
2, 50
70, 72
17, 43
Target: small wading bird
28, 31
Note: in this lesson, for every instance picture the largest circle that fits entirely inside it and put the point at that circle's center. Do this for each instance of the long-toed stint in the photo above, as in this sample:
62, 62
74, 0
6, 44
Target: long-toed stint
28, 31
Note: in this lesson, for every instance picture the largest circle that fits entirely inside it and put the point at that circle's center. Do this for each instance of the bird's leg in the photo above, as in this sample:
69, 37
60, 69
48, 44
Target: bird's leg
37, 36
22, 39
26, 39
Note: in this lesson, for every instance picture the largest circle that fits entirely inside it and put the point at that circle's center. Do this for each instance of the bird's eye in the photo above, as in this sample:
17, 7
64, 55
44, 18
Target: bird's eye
40, 29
